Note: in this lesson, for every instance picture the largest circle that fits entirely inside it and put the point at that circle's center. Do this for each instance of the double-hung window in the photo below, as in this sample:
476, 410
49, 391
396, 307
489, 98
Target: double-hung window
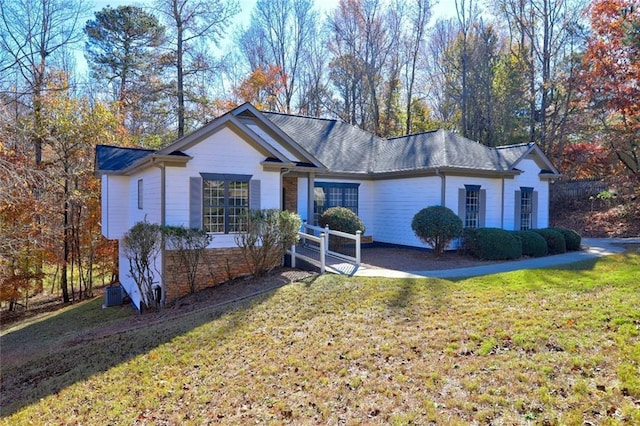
330, 194
526, 208
225, 202
472, 205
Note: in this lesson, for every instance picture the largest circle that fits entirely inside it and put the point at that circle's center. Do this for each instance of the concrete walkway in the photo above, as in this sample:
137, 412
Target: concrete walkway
592, 248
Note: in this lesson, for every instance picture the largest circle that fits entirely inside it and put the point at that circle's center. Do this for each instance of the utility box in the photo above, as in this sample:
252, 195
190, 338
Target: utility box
113, 295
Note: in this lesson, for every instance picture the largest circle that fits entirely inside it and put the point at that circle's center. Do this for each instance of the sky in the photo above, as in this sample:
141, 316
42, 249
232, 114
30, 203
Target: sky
442, 9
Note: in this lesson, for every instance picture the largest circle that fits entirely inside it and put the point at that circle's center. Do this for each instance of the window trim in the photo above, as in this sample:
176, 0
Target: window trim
326, 186
526, 193
226, 179
475, 218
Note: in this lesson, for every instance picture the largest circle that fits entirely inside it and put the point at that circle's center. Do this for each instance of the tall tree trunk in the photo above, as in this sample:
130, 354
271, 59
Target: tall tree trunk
180, 68
65, 243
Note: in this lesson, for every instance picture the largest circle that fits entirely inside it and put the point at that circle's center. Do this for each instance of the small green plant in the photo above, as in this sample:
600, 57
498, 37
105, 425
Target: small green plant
344, 220
269, 234
341, 219
533, 244
437, 226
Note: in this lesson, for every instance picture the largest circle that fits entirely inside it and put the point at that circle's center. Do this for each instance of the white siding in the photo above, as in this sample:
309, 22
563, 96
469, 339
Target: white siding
222, 152
115, 208
397, 201
151, 197
530, 178
493, 207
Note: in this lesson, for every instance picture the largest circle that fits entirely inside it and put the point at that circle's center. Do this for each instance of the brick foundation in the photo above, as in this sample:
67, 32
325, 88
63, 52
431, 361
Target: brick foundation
216, 266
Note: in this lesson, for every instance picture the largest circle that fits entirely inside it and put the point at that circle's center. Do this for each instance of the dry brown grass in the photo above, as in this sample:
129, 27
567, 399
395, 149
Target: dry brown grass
555, 346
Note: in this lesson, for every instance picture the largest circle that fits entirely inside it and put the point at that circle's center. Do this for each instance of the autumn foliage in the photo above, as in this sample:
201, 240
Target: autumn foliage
610, 80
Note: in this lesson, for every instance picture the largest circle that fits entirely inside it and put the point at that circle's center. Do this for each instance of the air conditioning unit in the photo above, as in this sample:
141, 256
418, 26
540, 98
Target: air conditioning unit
113, 296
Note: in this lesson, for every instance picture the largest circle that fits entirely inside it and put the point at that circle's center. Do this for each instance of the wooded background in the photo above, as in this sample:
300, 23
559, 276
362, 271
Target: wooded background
557, 72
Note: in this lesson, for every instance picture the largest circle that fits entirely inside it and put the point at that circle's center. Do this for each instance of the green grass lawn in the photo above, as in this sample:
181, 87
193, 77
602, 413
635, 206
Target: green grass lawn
558, 346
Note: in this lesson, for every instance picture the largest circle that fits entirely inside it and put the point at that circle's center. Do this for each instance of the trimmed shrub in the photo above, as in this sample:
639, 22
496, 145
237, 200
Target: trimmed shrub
571, 237
492, 244
341, 219
270, 233
437, 226
555, 240
533, 244
344, 220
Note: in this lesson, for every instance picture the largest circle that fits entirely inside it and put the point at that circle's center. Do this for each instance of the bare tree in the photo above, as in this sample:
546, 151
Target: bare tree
191, 24
544, 32
279, 34
31, 33
362, 39
419, 14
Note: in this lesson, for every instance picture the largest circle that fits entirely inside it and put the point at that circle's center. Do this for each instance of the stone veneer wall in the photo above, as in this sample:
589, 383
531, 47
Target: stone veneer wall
216, 267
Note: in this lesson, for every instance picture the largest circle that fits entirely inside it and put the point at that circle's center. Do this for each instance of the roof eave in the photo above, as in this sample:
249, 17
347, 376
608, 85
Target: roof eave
156, 160
434, 171
276, 165
297, 148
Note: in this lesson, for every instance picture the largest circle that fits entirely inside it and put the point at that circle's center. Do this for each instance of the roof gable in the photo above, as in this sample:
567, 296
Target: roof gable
341, 147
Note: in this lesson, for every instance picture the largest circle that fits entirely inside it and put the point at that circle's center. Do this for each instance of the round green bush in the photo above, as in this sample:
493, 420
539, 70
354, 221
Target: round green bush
533, 244
437, 226
492, 244
341, 219
555, 240
571, 237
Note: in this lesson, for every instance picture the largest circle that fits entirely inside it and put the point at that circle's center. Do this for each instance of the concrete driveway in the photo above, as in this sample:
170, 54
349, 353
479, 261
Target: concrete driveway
592, 248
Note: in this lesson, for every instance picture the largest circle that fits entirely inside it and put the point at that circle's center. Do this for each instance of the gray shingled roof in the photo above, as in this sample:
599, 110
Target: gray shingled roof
346, 148
115, 158
444, 149
341, 147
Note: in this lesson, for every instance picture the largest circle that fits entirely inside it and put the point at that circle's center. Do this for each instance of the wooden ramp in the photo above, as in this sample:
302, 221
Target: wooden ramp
333, 264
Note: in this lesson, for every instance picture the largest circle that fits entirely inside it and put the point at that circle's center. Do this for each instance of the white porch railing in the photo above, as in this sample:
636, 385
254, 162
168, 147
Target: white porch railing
318, 239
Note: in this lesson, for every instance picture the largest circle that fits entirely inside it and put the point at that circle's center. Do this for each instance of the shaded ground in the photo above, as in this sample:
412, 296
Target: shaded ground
407, 259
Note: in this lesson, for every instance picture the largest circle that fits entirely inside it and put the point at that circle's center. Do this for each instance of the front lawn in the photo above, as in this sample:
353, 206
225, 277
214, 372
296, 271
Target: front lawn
558, 346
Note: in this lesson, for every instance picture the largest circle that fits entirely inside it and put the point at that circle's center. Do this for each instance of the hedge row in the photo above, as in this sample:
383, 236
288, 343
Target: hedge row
499, 244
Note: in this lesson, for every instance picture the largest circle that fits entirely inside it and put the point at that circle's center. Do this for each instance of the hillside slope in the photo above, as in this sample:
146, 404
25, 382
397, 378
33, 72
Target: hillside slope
598, 218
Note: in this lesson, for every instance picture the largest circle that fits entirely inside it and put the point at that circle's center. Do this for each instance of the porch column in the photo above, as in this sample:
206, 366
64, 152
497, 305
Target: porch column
310, 190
